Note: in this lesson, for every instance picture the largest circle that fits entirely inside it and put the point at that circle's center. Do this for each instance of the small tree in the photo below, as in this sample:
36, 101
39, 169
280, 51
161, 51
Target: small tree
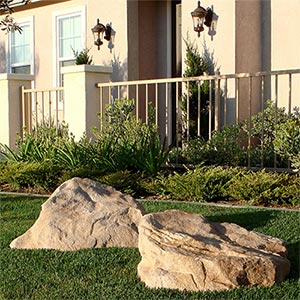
196, 65
6, 8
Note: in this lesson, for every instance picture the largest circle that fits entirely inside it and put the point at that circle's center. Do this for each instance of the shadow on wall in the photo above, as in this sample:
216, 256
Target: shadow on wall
111, 44
119, 69
209, 58
119, 74
213, 27
3, 58
36, 65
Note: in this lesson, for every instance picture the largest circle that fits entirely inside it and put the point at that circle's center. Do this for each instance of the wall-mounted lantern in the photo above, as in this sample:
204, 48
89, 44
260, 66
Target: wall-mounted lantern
201, 16
98, 32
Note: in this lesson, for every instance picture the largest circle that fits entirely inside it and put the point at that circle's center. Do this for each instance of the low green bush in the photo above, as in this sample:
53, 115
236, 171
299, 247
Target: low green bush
225, 148
265, 188
287, 140
41, 175
218, 183
200, 184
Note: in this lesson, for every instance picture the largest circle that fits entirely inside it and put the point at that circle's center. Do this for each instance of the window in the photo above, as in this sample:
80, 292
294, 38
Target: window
70, 36
21, 56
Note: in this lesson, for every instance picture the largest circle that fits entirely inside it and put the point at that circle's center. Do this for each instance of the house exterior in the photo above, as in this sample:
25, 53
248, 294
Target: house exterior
148, 38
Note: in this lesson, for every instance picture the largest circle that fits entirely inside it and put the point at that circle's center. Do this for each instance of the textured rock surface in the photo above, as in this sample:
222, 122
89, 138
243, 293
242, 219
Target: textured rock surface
82, 213
185, 251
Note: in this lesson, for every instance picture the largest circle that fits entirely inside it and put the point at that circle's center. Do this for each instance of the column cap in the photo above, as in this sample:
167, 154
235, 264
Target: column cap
87, 68
13, 76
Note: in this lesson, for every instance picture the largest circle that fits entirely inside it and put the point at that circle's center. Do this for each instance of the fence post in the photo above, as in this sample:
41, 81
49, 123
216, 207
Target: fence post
81, 97
11, 106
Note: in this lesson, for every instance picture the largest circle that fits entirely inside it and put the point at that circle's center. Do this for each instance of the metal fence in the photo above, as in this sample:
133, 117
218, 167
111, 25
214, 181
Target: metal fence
186, 108
41, 106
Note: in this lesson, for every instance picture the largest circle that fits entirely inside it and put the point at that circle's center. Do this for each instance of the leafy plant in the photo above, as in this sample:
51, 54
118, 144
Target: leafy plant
39, 145
262, 132
264, 187
40, 175
287, 140
224, 148
7, 23
82, 57
195, 66
201, 184
129, 144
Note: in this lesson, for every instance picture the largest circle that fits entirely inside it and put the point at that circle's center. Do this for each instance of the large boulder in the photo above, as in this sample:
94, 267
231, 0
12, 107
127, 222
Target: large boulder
82, 213
185, 251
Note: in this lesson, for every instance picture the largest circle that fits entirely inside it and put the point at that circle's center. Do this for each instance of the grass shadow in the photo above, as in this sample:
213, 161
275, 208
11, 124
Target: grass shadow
247, 219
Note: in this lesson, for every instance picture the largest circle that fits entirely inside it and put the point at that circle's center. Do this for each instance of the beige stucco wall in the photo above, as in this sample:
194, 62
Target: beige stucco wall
10, 103
222, 44
142, 40
285, 51
114, 12
82, 97
220, 47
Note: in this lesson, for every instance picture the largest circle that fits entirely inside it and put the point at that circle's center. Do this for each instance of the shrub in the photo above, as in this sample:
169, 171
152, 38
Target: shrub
264, 188
224, 148
196, 65
39, 145
262, 133
41, 175
287, 140
129, 144
200, 184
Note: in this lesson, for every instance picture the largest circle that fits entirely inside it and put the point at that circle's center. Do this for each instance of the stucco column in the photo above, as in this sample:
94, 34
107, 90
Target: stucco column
248, 26
10, 106
82, 97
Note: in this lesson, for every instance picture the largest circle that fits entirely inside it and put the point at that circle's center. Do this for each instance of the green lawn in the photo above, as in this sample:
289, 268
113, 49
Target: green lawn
110, 273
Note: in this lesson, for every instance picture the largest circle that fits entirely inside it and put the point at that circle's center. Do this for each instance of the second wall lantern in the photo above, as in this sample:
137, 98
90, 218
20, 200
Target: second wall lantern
98, 32
201, 16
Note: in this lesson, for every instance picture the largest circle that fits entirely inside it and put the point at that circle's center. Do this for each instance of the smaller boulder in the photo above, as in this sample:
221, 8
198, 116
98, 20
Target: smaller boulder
83, 213
187, 252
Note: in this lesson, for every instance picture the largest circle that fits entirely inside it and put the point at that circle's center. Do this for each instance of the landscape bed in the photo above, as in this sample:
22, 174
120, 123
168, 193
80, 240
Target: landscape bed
110, 273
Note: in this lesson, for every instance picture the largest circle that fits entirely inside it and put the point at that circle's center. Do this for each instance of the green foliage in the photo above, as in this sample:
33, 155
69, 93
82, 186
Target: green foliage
200, 184
39, 145
82, 57
195, 66
287, 140
224, 148
125, 143
265, 188
218, 183
263, 131
40, 175
7, 23
263, 123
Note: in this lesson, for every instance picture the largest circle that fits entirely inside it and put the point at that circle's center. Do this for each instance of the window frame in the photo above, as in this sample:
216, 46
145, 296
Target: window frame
22, 22
58, 15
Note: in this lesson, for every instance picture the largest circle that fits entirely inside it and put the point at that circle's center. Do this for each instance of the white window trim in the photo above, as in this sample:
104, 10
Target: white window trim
55, 17
30, 21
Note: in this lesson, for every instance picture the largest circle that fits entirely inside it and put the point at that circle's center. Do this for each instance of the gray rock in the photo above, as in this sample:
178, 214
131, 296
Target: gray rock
185, 251
82, 213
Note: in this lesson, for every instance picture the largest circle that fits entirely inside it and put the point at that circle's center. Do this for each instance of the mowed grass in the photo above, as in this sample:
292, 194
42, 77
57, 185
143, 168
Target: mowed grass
110, 273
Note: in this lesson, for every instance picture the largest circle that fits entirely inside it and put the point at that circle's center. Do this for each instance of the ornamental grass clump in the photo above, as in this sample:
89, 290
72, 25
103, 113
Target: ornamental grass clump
125, 143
